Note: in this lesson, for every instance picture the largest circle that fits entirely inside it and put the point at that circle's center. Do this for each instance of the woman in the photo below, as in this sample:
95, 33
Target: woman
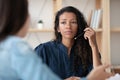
17, 60
74, 51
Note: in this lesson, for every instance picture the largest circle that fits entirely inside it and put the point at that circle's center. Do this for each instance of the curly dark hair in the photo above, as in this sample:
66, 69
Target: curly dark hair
82, 49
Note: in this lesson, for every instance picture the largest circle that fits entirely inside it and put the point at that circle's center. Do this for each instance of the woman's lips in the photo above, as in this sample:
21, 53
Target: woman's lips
68, 32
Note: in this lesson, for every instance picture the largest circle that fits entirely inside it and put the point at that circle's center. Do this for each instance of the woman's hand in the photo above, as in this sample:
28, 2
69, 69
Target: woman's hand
99, 73
91, 36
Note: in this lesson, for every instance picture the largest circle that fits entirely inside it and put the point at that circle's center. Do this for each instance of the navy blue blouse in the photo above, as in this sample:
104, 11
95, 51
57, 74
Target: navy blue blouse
54, 54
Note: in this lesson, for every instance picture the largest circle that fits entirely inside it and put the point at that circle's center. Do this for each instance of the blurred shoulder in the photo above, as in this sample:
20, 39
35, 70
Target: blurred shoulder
17, 45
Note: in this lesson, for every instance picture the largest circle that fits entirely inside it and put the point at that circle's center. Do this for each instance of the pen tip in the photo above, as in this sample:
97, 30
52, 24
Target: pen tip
75, 38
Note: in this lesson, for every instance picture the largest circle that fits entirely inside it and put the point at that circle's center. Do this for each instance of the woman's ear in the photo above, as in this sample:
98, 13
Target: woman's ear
58, 30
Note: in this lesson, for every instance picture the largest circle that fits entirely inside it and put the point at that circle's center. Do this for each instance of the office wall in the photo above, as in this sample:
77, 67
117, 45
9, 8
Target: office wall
115, 36
43, 9
40, 10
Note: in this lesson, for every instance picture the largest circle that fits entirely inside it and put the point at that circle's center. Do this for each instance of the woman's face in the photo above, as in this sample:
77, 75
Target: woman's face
68, 25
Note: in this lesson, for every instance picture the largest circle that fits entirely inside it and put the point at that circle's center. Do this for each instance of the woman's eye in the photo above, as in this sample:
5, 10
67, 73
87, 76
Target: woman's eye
74, 22
63, 22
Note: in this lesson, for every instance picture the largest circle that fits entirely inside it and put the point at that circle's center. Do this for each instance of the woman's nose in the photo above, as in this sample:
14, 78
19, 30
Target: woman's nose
68, 25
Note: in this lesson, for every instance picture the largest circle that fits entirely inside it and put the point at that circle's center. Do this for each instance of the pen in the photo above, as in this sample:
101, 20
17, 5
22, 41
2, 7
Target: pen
79, 35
